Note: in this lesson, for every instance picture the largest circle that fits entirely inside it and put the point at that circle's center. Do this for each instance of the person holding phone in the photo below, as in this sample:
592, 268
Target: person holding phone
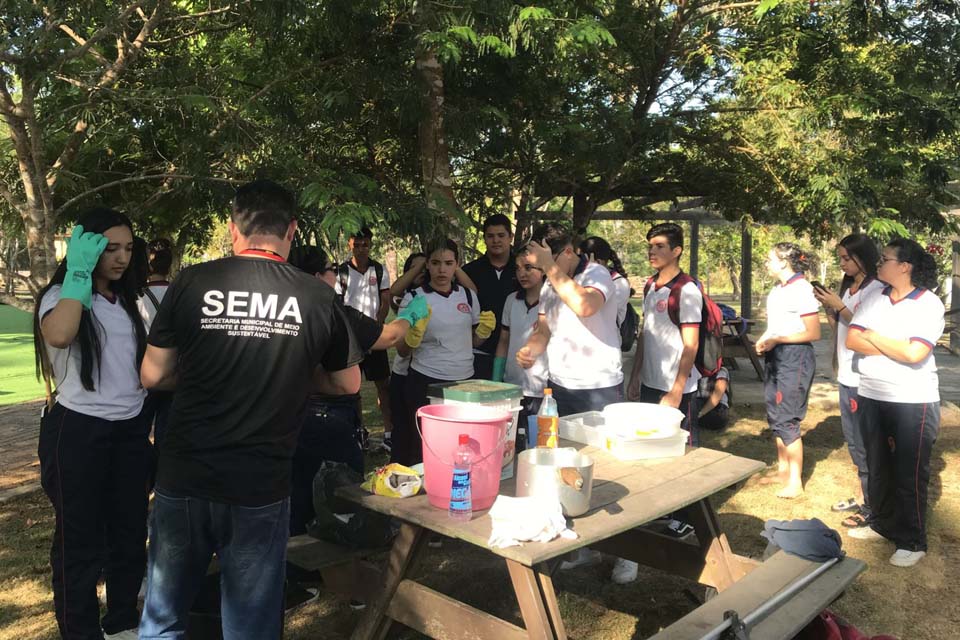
858, 257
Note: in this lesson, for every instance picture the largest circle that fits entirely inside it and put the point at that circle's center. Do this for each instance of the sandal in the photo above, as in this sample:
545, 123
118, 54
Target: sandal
857, 519
850, 504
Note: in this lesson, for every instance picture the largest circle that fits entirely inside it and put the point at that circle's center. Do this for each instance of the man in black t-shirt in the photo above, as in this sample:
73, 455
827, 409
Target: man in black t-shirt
243, 340
495, 274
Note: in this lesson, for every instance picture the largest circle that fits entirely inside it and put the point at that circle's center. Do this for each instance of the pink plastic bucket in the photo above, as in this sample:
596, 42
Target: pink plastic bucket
440, 426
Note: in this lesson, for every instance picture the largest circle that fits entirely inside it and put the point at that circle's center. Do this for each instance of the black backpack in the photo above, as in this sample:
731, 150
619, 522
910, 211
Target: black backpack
629, 328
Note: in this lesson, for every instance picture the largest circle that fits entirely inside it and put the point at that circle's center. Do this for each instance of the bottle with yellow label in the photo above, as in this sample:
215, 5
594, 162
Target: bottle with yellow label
548, 421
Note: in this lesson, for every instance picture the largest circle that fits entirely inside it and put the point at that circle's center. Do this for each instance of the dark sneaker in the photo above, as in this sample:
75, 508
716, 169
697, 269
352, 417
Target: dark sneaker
679, 530
364, 439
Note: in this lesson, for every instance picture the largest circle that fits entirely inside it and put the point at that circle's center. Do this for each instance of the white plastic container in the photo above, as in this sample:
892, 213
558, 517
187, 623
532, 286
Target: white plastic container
499, 395
642, 419
591, 428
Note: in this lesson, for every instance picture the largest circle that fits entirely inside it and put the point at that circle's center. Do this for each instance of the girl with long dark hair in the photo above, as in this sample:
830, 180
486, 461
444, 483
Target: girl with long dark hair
95, 456
787, 344
598, 250
858, 257
893, 335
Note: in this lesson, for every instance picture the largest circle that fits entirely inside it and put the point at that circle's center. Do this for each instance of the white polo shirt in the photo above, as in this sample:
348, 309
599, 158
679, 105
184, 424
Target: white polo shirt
117, 393
446, 351
583, 353
853, 301
621, 295
662, 340
788, 304
148, 311
917, 318
363, 290
520, 320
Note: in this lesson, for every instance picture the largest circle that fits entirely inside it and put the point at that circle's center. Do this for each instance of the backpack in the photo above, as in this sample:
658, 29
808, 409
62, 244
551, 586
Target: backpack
710, 348
344, 277
629, 328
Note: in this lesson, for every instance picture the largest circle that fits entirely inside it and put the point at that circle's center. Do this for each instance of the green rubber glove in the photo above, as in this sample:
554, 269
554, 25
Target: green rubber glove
415, 333
499, 367
488, 322
83, 253
415, 311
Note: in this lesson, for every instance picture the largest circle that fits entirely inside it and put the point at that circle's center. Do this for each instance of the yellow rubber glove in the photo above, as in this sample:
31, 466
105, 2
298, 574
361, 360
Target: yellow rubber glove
488, 322
415, 333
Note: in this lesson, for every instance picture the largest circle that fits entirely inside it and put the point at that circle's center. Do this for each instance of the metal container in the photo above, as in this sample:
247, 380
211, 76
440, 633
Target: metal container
564, 474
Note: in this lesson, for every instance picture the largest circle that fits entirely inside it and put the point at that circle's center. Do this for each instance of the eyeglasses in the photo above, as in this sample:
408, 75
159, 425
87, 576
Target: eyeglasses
884, 259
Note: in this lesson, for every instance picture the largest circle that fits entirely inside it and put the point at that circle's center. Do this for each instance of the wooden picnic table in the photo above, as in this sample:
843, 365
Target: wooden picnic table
736, 339
625, 496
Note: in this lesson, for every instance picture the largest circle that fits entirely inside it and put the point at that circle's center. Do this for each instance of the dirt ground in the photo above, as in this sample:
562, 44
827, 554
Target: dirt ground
914, 604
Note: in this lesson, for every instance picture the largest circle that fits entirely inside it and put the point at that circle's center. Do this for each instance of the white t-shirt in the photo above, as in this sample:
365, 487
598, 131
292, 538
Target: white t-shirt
583, 353
788, 304
918, 317
662, 340
148, 311
363, 290
853, 301
621, 295
401, 364
117, 393
520, 320
446, 351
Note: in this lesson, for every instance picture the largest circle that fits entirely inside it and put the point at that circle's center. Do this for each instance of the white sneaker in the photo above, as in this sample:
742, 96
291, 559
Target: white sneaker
624, 571
865, 532
127, 634
581, 558
906, 558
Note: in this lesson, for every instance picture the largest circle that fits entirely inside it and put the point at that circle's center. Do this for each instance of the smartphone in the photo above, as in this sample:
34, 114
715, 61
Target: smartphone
817, 285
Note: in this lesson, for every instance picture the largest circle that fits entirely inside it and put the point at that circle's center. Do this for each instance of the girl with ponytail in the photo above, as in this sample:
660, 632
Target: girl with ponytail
893, 334
793, 324
95, 456
598, 250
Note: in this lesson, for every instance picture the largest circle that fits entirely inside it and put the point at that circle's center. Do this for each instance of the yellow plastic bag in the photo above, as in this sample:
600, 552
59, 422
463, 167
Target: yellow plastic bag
394, 481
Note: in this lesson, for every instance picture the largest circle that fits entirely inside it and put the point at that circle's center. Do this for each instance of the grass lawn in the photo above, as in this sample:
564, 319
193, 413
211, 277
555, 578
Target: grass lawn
909, 604
18, 380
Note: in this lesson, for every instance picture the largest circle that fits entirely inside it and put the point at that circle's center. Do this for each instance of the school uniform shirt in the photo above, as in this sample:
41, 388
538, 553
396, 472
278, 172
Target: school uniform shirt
520, 319
723, 374
362, 291
401, 364
148, 310
621, 288
662, 339
853, 301
583, 353
445, 353
494, 286
788, 304
250, 334
917, 318
117, 393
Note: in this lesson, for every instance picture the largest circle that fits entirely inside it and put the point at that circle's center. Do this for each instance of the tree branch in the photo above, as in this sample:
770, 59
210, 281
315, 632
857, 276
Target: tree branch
98, 35
85, 46
11, 199
157, 176
126, 55
195, 32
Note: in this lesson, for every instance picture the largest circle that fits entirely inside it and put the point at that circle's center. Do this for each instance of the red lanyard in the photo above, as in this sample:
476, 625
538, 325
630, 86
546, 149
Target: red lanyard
263, 253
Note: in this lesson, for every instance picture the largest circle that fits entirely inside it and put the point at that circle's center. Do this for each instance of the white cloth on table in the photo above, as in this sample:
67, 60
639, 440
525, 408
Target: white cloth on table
518, 520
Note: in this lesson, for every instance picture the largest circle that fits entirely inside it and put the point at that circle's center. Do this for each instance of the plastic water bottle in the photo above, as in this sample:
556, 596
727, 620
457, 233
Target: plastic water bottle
548, 421
461, 500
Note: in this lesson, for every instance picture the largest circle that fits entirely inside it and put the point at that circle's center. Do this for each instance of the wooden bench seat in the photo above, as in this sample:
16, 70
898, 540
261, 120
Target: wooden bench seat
760, 585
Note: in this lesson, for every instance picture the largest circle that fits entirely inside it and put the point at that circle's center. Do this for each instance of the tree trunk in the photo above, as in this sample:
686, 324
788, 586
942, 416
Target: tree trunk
523, 219
734, 280
435, 167
583, 209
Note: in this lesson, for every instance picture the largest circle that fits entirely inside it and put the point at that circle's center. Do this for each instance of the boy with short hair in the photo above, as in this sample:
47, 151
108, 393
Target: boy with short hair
364, 284
577, 307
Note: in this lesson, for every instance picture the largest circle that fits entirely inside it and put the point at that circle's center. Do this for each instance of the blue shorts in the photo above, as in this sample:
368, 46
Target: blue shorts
789, 375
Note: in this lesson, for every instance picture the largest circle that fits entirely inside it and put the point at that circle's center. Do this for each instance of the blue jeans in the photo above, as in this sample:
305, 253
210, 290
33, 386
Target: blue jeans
581, 400
251, 546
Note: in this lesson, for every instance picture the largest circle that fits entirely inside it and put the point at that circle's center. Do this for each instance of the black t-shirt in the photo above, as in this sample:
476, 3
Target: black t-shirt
249, 333
492, 290
367, 331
